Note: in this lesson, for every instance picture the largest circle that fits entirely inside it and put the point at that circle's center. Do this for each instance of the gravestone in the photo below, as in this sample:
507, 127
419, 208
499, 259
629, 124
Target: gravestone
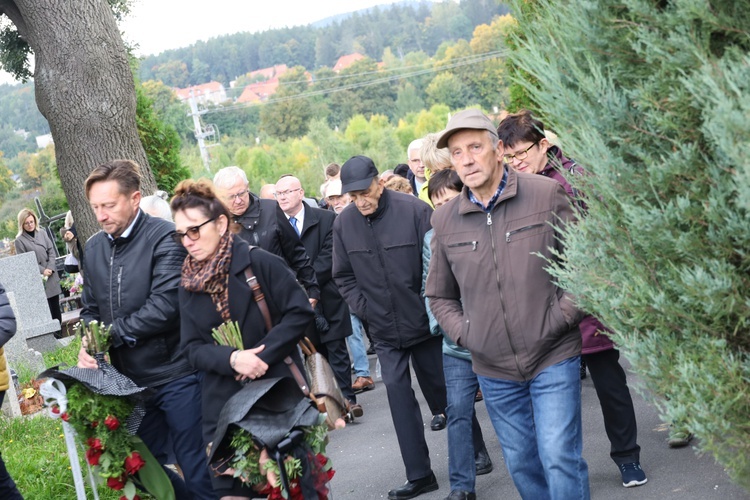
20, 275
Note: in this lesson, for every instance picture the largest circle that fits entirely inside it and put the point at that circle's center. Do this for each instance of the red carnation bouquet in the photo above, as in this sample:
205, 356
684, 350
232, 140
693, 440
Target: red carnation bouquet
100, 405
119, 458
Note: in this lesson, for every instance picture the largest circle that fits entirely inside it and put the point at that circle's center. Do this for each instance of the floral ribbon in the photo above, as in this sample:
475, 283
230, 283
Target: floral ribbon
55, 394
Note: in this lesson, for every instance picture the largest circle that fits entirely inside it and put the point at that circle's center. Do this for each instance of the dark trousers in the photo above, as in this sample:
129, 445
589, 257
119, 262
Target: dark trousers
54, 308
173, 423
617, 406
427, 360
8, 490
336, 353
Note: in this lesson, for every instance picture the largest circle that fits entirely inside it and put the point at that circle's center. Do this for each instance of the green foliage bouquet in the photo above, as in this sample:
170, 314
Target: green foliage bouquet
253, 466
73, 283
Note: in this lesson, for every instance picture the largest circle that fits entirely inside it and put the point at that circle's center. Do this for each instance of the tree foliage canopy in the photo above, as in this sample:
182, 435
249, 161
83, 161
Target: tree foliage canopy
653, 98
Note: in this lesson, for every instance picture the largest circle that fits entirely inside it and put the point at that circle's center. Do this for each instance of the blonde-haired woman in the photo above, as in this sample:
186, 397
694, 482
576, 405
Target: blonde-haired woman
434, 159
31, 238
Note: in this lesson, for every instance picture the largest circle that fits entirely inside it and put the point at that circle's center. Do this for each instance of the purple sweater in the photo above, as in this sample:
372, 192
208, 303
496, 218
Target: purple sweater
592, 330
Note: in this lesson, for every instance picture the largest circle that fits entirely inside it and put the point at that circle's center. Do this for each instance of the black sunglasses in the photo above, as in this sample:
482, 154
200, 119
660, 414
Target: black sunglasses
194, 233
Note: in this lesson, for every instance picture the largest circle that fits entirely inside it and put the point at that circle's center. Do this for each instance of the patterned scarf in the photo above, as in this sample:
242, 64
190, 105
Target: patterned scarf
211, 276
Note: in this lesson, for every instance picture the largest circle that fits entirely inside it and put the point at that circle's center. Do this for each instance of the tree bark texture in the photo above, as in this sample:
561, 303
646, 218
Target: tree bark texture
85, 90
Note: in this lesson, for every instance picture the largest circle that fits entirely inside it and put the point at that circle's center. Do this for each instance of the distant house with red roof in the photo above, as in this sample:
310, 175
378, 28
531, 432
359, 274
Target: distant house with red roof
248, 95
346, 61
268, 73
213, 92
264, 89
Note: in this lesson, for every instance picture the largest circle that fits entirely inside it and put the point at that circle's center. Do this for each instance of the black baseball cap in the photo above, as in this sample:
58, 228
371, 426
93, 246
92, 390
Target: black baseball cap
357, 174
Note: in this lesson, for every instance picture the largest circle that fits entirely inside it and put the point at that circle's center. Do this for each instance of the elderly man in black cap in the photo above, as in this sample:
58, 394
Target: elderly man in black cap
377, 264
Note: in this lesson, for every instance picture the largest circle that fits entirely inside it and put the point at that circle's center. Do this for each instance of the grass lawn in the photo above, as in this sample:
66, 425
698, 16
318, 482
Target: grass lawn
34, 452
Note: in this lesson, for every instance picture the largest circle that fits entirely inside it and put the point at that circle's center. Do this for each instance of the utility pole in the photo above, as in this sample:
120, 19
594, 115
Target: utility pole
202, 133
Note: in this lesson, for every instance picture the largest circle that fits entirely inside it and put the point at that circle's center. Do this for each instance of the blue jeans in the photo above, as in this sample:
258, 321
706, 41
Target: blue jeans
538, 423
173, 422
357, 348
461, 383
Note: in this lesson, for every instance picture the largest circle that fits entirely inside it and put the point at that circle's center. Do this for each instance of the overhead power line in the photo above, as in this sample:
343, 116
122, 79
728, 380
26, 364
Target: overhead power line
428, 63
456, 63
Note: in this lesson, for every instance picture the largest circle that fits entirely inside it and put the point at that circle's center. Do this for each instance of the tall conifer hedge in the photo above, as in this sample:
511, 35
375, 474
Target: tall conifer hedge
653, 98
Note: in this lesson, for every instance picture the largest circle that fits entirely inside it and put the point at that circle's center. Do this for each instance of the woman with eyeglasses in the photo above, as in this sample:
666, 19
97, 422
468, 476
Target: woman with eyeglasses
31, 238
214, 290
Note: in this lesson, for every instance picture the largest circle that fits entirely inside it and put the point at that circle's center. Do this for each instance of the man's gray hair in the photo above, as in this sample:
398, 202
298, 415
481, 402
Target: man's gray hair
228, 177
156, 206
493, 139
415, 144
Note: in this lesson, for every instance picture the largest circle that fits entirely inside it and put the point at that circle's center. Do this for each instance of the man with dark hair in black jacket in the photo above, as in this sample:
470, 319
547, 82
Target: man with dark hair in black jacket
377, 264
264, 224
132, 270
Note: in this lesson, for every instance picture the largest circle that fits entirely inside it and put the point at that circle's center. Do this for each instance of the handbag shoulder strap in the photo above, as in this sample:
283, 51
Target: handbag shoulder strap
260, 299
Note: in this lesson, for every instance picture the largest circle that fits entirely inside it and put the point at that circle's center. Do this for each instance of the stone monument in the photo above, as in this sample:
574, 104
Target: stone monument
20, 276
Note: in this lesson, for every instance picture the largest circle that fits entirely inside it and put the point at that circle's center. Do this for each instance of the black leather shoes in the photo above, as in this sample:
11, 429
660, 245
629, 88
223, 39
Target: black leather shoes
461, 495
438, 422
412, 489
483, 462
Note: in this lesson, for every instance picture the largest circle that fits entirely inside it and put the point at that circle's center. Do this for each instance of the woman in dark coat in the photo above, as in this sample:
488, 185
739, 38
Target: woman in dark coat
31, 238
213, 290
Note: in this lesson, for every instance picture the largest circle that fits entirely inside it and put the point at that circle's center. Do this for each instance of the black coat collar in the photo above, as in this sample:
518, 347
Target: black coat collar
311, 219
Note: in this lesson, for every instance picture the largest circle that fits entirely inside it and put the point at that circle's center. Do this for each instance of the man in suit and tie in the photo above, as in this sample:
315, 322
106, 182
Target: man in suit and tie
315, 228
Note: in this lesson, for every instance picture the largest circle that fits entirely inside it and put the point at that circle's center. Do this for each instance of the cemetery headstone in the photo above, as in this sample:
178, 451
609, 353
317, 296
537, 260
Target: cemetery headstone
20, 276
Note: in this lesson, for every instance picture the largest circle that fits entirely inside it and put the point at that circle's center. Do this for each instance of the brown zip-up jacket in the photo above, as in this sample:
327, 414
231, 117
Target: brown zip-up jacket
487, 283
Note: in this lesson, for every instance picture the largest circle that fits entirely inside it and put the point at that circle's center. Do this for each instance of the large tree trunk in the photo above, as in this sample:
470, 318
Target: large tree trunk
85, 89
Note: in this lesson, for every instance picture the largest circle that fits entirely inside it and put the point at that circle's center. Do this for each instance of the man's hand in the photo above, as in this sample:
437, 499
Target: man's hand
85, 360
47, 272
313, 302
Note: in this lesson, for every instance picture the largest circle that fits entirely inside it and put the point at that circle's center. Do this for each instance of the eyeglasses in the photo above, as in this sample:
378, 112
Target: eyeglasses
230, 198
194, 233
281, 194
520, 156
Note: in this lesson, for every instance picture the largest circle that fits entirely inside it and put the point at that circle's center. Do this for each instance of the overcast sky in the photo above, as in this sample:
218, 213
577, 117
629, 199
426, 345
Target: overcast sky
158, 25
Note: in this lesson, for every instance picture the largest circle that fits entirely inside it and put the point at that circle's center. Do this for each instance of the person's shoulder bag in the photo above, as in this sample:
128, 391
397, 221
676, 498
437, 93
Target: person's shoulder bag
324, 391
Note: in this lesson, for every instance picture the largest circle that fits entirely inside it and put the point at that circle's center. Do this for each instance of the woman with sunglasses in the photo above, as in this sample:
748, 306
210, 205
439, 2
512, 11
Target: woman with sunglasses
214, 290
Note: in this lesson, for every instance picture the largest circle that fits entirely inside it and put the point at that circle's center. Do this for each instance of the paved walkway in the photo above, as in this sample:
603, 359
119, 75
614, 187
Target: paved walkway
368, 464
